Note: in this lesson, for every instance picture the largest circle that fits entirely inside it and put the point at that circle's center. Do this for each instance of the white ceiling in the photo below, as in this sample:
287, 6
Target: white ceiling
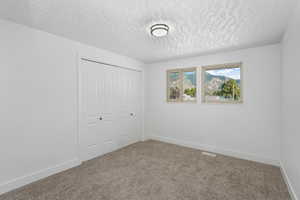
122, 26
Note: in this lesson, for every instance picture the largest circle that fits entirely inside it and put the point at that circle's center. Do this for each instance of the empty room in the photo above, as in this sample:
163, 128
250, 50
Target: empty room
149, 100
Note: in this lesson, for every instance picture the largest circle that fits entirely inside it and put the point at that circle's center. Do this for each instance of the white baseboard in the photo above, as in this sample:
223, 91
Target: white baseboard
24, 180
288, 182
213, 149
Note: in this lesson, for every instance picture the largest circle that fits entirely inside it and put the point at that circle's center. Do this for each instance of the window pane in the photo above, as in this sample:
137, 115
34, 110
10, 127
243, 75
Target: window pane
222, 85
174, 86
189, 86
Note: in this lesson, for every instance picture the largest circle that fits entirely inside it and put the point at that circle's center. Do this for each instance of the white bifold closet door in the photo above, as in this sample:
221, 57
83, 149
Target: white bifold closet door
110, 108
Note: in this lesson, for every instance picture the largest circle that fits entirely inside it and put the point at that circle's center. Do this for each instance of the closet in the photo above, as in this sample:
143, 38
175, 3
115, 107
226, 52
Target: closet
109, 108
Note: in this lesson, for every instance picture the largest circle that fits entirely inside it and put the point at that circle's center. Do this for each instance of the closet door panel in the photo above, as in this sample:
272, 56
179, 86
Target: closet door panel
90, 145
134, 105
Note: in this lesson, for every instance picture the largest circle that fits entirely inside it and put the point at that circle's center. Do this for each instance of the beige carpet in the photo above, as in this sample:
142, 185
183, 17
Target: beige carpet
154, 170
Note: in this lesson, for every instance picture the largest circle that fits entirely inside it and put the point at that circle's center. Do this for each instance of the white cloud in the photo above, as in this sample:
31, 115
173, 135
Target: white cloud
233, 73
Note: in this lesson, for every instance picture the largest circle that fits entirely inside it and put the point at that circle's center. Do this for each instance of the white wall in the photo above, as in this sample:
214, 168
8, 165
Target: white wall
250, 130
38, 109
290, 147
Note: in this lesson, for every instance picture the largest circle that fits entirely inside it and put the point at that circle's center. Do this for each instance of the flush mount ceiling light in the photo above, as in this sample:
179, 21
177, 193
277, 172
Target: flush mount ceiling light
159, 30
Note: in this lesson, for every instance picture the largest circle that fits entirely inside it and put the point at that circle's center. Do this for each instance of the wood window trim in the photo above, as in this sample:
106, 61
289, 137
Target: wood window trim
222, 66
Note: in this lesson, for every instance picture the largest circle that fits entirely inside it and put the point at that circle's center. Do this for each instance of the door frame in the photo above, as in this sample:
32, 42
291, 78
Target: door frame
83, 57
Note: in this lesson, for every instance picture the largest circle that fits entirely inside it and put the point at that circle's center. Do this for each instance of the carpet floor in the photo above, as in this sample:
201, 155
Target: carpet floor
154, 170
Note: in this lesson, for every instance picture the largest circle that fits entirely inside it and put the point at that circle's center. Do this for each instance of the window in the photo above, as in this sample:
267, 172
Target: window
222, 83
182, 85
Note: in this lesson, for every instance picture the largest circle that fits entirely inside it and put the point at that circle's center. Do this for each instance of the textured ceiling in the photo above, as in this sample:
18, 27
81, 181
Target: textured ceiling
122, 26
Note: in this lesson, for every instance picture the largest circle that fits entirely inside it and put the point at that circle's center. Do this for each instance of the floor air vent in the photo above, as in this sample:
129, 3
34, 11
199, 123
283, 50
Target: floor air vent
209, 154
